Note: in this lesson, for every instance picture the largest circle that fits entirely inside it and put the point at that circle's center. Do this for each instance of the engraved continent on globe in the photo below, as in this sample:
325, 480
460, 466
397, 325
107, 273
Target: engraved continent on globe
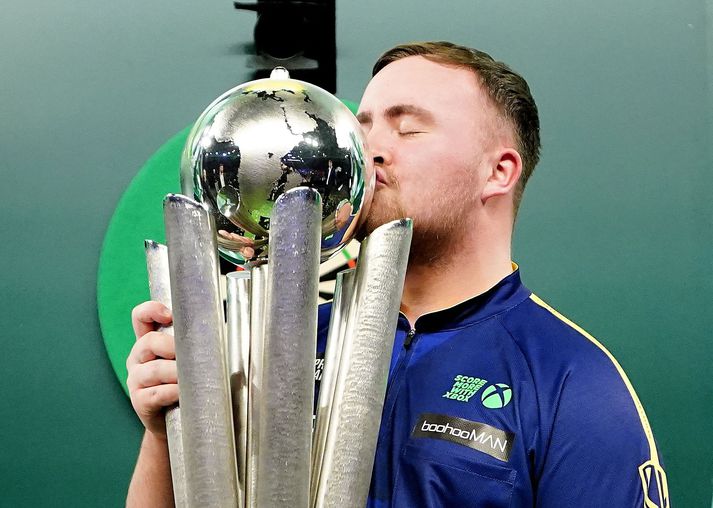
268, 136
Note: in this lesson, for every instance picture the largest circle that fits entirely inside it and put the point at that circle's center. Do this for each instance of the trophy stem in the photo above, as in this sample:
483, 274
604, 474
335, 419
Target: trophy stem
258, 300
286, 405
338, 324
363, 368
206, 415
238, 327
160, 291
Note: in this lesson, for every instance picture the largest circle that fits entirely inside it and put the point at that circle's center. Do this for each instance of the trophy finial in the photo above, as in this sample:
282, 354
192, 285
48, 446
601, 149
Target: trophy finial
280, 73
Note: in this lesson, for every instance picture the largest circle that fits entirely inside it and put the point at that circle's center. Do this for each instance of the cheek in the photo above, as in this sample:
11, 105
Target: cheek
446, 172
445, 163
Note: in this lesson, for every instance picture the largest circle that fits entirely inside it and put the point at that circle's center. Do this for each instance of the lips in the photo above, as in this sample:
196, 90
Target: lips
380, 176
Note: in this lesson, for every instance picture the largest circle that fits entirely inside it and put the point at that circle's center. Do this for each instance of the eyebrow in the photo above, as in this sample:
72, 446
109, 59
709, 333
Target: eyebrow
397, 111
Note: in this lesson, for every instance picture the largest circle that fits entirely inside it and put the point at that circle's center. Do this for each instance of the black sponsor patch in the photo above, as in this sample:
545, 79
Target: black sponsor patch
479, 436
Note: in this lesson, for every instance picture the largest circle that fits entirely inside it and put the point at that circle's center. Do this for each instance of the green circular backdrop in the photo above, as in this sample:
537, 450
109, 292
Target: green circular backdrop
122, 281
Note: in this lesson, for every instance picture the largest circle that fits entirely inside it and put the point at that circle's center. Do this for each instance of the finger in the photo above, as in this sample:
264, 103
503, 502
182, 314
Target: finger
145, 315
150, 346
153, 373
152, 400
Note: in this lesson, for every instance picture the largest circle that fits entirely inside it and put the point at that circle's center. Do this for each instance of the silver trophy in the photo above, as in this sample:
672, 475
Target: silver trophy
275, 178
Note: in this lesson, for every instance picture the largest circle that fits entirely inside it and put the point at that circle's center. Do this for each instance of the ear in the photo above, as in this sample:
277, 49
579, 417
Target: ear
504, 174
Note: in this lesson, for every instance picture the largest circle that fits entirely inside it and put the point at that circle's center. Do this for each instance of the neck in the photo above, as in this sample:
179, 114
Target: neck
475, 265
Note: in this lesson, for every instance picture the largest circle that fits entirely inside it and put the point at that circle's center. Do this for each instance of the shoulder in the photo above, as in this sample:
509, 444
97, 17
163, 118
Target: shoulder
560, 351
592, 417
551, 339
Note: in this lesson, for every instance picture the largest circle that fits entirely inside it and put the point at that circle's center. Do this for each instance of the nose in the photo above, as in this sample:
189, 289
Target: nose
380, 150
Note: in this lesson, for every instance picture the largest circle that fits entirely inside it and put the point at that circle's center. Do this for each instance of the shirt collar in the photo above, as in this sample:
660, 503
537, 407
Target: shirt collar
502, 296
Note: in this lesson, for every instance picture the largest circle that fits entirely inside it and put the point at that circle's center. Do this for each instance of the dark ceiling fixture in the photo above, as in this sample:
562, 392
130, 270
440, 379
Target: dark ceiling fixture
299, 35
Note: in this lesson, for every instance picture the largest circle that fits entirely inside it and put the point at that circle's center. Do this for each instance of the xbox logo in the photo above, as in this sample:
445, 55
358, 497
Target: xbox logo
496, 396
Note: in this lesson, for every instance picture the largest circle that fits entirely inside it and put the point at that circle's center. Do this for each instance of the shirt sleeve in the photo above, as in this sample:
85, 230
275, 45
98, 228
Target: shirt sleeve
601, 451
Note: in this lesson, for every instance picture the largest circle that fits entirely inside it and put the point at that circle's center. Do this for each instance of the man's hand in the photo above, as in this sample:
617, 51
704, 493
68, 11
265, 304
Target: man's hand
152, 379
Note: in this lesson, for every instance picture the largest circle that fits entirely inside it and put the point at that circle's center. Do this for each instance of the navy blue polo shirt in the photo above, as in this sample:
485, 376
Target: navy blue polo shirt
500, 401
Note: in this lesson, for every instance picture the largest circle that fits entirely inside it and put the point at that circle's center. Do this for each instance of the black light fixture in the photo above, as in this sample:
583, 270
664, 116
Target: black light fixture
297, 35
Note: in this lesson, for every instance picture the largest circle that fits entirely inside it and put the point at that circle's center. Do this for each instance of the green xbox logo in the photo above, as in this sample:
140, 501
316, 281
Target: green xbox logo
496, 396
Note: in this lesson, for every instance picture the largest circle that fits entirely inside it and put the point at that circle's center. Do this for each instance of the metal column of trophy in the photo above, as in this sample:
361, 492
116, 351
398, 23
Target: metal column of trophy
278, 179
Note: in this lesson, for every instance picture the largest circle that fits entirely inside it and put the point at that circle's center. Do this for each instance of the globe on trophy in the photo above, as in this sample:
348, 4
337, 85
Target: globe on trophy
263, 138
276, 177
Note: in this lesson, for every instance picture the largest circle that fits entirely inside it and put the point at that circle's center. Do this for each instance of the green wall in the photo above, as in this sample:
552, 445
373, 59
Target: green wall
615, 230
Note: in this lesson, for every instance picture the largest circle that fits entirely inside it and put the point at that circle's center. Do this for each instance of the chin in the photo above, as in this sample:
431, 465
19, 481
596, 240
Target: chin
384, 208
366, 228
372, 222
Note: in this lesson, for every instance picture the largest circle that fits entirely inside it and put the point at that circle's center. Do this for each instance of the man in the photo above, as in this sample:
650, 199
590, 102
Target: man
494, 399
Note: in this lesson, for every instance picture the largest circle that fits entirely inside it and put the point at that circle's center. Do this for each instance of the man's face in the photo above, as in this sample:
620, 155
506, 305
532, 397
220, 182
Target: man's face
430, 129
